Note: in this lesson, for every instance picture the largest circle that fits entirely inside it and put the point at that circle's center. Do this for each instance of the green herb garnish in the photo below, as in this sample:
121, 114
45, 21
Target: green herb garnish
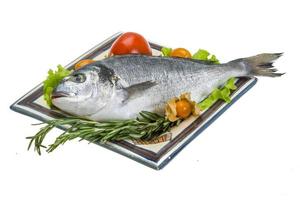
166, 51
216, 94
202, 54
146, 127
53, 79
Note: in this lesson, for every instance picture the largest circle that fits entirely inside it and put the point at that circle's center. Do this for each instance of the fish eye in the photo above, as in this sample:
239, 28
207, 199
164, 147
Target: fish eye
78, 78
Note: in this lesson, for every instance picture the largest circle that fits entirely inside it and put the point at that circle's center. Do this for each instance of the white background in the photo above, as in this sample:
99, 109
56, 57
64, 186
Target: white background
251, 152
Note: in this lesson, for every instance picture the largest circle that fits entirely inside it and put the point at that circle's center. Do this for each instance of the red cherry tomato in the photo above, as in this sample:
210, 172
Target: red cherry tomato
130, 43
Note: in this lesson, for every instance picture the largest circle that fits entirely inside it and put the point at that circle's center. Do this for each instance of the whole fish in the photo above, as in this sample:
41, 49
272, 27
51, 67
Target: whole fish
120, 87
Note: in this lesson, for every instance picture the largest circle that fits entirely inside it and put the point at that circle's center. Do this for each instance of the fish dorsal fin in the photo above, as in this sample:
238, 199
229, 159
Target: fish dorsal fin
138, 89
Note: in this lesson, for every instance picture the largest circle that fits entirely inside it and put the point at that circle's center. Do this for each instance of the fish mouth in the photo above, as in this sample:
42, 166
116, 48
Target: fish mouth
56, 95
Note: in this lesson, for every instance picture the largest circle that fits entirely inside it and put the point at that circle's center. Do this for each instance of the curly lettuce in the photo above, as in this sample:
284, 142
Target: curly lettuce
219, 94
166, 51
202, 54
53, 79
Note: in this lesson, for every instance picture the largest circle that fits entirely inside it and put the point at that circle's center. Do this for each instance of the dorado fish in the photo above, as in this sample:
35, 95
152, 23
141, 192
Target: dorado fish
120, 87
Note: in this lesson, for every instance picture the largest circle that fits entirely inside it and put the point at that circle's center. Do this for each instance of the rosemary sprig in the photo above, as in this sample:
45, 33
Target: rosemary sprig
146, 127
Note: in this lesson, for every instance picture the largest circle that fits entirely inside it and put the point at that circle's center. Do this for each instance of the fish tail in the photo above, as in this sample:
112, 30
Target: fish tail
261, 64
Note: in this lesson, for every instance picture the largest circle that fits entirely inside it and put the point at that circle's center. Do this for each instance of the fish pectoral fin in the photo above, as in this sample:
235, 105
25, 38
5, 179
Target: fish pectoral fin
138, 89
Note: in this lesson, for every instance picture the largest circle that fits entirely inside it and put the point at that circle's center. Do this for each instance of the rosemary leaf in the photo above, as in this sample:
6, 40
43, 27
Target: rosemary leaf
146, 127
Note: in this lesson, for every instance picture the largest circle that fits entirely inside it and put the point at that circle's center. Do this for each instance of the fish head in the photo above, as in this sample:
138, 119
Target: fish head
85, 91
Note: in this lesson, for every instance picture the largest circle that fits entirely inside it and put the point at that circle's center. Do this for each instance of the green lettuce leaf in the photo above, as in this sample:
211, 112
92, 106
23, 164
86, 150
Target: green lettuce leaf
219, 94
53, 79
202, 54
166, 51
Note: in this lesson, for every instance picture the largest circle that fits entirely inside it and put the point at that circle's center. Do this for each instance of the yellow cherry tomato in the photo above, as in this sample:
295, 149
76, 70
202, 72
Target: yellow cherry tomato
82, 63
183, 108
181, 52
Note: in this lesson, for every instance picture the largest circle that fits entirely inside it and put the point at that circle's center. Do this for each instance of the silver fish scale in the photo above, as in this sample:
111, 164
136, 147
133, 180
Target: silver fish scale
173, 76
